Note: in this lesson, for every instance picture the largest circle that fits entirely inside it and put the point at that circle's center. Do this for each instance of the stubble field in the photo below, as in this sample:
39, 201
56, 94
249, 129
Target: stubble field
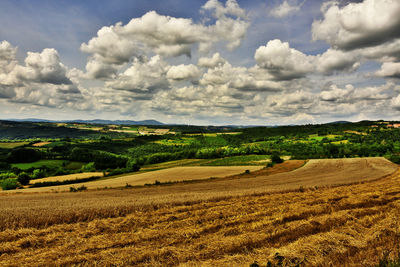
226, 222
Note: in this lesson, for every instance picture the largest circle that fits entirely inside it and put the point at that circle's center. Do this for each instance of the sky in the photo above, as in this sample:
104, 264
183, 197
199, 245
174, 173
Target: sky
215, 62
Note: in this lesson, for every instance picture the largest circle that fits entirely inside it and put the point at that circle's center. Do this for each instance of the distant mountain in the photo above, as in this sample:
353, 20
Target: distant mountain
96, 121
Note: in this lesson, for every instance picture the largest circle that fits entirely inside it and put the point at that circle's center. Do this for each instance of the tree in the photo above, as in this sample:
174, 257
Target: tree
23, 155
23, 178
275, 158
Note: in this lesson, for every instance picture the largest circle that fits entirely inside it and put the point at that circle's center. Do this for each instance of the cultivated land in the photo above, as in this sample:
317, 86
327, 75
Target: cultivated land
225, 222
67, 177
167, 175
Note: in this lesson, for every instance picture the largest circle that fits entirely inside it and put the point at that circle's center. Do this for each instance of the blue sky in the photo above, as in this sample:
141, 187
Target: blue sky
200, 62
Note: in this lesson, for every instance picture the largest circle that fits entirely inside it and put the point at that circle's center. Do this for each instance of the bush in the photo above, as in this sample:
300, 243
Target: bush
270, 164
38, 173
9, 184
4, 166
74, 189
6, 175
395, 159
276, 159
132, 165
89, 167
23, 178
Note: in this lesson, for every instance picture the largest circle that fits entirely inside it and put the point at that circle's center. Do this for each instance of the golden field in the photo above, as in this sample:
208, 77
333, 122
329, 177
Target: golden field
166, 175
231, 221
67, 177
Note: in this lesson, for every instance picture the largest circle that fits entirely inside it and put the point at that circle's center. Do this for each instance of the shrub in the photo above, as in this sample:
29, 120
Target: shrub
270, 164
9, 184
132, 165
276, 159
395, 158
89, 167
38, 173
23, 178
74, 189
6, 175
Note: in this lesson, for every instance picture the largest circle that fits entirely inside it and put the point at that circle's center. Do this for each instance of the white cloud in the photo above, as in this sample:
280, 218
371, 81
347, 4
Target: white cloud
284, 9
283, 62
183, 72
357, 25
214, 61
164, 35
336, 60
389, 69
7, 57
44, 67
142, 78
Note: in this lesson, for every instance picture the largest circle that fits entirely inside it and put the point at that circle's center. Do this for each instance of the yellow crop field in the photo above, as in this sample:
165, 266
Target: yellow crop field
223, 222
61, 178
166, 175
41, 144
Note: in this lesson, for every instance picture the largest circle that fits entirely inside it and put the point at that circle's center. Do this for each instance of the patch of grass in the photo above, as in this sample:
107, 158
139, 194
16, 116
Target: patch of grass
239, 160
340, 142
74, 165
11, 145
51, 163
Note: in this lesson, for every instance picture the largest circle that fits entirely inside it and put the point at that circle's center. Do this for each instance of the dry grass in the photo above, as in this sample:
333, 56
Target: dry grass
41, 144
164, 226
62, 178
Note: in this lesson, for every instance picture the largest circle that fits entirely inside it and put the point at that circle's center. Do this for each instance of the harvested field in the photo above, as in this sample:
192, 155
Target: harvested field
41, 144
61, 178
170, 225
166, 175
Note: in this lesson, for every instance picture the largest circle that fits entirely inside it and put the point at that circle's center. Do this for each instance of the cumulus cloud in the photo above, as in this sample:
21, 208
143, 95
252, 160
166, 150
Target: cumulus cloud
357, 25
350, 94
212, 62
395, 103
7, 57
389, 69
283, 62
44, 67
183, 72
42, 80
142, 78
336, 60
285, 9
163, 35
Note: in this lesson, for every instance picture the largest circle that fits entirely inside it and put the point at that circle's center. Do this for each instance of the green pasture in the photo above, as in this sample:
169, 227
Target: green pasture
51, 163
10, 145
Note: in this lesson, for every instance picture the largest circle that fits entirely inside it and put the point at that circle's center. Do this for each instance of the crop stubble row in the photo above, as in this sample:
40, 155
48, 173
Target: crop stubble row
350, 224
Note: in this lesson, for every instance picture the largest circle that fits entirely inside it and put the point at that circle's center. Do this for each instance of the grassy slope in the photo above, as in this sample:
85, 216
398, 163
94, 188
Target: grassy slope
51, 163
10, 145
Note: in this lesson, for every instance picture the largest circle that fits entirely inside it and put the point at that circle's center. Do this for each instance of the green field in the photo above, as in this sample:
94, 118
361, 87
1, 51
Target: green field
48, 163
179, 142
239, 160
10, 145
